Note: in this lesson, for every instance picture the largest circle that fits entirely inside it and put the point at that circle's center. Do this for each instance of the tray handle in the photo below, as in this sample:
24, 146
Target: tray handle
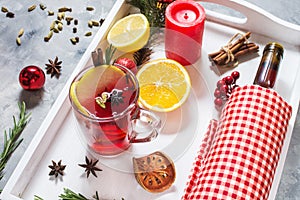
257, 21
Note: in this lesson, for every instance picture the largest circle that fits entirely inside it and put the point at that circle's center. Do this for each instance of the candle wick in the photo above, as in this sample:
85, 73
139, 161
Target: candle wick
186, 16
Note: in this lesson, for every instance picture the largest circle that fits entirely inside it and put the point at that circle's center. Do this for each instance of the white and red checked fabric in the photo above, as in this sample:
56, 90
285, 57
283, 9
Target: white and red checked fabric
240, 152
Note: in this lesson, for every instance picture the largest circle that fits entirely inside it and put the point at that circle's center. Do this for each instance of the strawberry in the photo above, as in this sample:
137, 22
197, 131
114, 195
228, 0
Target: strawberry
128, 63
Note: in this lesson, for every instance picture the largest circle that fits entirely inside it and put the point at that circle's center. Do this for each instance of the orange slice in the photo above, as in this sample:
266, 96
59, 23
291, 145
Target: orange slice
164, 85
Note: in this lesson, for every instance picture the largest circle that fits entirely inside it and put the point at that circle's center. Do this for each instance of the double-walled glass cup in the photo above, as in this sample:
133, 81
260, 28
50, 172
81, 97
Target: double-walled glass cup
104, 101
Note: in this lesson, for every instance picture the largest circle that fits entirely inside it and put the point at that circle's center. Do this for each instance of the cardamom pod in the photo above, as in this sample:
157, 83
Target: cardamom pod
95, 23
48, 37
90, 24
60, 26
21, 32
18, 40
42, 6
4, 9
50, 13
55, 30
31, 8
88, 34
73, 40
52, 25
65, 9
89, 8
60, 16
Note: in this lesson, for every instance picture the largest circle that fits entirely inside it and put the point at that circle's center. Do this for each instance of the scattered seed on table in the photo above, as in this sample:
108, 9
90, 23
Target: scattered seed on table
10, 15
89, 8
52, 25
55, 30
95, 23
65, 9
21, 32
48, 37
90, 24
69, 19
60, 26
77, 39
18, 41
60, 16
31, 8
42, 6
74, 30
88, 34
50, 13
76, 22
73, 40
4, 9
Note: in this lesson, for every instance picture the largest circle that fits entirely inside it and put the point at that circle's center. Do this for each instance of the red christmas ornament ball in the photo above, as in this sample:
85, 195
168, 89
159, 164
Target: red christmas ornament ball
32, 78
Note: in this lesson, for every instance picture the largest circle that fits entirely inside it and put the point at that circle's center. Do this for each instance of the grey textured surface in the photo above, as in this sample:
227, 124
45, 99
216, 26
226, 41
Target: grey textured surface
35, 51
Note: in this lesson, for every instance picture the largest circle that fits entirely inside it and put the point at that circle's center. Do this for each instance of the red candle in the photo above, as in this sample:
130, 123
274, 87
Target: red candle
184, 31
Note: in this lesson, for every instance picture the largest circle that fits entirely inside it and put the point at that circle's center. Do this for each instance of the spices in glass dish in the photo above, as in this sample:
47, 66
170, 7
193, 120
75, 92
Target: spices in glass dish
269, 65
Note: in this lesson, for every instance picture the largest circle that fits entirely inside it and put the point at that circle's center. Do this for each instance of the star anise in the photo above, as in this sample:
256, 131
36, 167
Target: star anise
53, 67
116, 97
56, 169
90, 167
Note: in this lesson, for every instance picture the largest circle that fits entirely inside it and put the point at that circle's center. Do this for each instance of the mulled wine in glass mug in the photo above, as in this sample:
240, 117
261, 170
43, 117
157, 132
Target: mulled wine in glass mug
104, 102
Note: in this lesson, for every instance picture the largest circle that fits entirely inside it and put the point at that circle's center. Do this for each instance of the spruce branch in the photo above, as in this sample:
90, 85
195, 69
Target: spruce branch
154, 10
12, 140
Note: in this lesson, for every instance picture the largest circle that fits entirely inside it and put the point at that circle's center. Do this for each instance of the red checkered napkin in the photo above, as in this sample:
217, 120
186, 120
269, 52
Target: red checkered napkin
240, 152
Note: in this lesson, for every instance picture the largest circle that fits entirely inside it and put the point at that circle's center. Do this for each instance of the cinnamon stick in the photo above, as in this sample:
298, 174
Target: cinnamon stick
234, 48
238, 48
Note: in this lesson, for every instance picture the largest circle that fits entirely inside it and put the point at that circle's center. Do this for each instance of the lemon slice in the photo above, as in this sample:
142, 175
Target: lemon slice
130, 33
93, 82
75, 100
164, 85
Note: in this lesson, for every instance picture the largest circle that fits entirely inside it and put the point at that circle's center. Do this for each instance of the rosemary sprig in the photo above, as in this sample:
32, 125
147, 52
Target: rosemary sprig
69, 194
11, 140
109, 53
36, 197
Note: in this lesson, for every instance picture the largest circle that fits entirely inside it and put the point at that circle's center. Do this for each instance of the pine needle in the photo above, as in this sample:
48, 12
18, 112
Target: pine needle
154, 10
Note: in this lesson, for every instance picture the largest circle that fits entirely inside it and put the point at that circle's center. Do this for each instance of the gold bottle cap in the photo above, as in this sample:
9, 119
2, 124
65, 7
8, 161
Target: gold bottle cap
274, 46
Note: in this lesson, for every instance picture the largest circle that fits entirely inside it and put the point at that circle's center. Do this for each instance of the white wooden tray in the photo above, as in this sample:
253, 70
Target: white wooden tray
57, 137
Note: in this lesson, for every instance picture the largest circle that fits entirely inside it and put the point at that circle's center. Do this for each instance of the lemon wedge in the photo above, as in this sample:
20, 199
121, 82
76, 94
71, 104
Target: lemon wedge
130, 33
75, 100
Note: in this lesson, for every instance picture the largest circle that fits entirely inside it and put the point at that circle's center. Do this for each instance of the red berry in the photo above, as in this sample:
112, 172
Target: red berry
32, 78
217, 93
235, 75
229, 80
128, 63
224, 89
218, 102
220, 83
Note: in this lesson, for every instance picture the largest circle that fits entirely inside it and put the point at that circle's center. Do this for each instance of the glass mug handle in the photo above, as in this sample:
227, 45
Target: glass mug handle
145, 123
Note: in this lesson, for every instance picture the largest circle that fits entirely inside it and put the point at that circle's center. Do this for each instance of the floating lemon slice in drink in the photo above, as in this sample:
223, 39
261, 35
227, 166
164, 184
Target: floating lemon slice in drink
130, 33
164, 85
93, 82
75, 100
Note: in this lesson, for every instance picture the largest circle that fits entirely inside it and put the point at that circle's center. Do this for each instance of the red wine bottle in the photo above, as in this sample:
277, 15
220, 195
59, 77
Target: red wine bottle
269, 65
